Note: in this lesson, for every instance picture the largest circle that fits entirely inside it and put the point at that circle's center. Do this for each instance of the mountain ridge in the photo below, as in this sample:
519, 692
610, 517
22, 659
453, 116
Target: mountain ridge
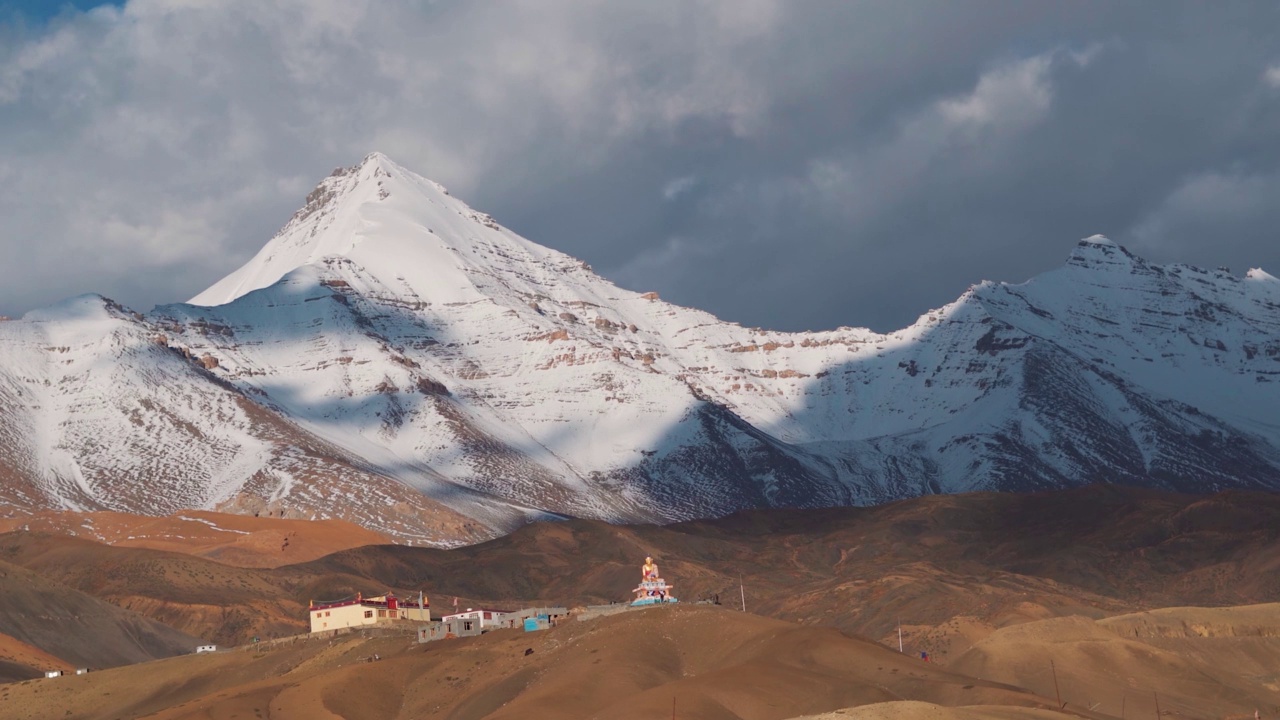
397, 359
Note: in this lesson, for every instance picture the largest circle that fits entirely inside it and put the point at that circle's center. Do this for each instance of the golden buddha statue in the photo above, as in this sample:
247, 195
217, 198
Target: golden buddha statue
649, 571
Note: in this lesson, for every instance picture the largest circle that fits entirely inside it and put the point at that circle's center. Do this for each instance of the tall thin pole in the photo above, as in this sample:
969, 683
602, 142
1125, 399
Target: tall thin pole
742, 589
1157, 697
673, 707
899, 635
1055, 684
1123, 698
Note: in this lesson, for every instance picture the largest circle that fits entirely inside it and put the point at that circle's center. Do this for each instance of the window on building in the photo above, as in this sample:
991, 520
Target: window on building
326, 613
368, 613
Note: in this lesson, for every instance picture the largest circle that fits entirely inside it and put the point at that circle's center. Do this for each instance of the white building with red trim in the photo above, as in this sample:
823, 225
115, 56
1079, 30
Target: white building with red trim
366, 611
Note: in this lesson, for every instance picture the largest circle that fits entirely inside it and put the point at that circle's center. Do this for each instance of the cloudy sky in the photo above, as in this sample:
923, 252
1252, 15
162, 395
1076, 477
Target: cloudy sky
789, 165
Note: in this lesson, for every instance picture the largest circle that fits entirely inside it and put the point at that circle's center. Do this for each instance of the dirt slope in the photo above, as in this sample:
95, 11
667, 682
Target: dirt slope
710, 663
1195, 662
993, 586
714, 663
241, 540
916, 710
951, 569
20, 661
80, 629
223, 604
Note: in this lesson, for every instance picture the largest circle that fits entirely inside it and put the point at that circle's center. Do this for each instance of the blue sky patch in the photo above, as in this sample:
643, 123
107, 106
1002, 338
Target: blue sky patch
41, 11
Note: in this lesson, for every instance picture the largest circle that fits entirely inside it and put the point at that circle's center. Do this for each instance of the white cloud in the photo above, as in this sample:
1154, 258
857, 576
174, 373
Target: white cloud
134, 132
678, 186
1272, 76
662, 262
178, 135
1220, 207
1016, 93
1085, 56
981, 124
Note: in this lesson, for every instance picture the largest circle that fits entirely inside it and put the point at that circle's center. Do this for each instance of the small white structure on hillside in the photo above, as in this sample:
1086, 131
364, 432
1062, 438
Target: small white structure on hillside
52, 673
206, 648
484, 618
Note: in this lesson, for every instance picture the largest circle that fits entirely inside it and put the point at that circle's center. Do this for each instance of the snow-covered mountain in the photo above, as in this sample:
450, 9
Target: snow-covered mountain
395, 358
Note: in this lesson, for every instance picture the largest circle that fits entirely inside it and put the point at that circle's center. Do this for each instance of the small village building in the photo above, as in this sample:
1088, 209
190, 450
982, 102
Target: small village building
451, 628
53, 673
367, 611
82, 671
539, 618
206, 648
474, 622
483, 618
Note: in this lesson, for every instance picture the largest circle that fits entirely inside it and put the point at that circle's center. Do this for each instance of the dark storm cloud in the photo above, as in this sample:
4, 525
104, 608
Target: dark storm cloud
790, 165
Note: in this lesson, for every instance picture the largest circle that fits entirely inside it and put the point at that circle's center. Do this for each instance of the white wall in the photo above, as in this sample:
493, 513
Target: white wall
342, 617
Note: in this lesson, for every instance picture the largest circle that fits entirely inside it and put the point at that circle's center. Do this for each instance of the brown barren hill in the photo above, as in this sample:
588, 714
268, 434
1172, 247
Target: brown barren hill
201, 597
915, 710
1013, 589
80, 629
714, 664
241, 540
20, 661
949, 569
1195, 662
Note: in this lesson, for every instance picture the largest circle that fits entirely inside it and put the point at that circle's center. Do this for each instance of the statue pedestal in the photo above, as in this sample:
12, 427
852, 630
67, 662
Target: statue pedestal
653, 592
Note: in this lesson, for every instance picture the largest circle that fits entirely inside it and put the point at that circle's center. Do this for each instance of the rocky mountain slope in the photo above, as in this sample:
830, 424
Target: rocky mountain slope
396, 359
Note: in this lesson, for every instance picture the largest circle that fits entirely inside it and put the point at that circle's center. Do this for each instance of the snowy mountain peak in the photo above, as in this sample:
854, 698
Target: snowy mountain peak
1260, 275
77, 306
1099, 252
391, 233
375, 198
376, 165
397, 359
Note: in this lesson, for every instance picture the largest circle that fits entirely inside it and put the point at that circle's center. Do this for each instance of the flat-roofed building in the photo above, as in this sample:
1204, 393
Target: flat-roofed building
484, 618
367, 611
